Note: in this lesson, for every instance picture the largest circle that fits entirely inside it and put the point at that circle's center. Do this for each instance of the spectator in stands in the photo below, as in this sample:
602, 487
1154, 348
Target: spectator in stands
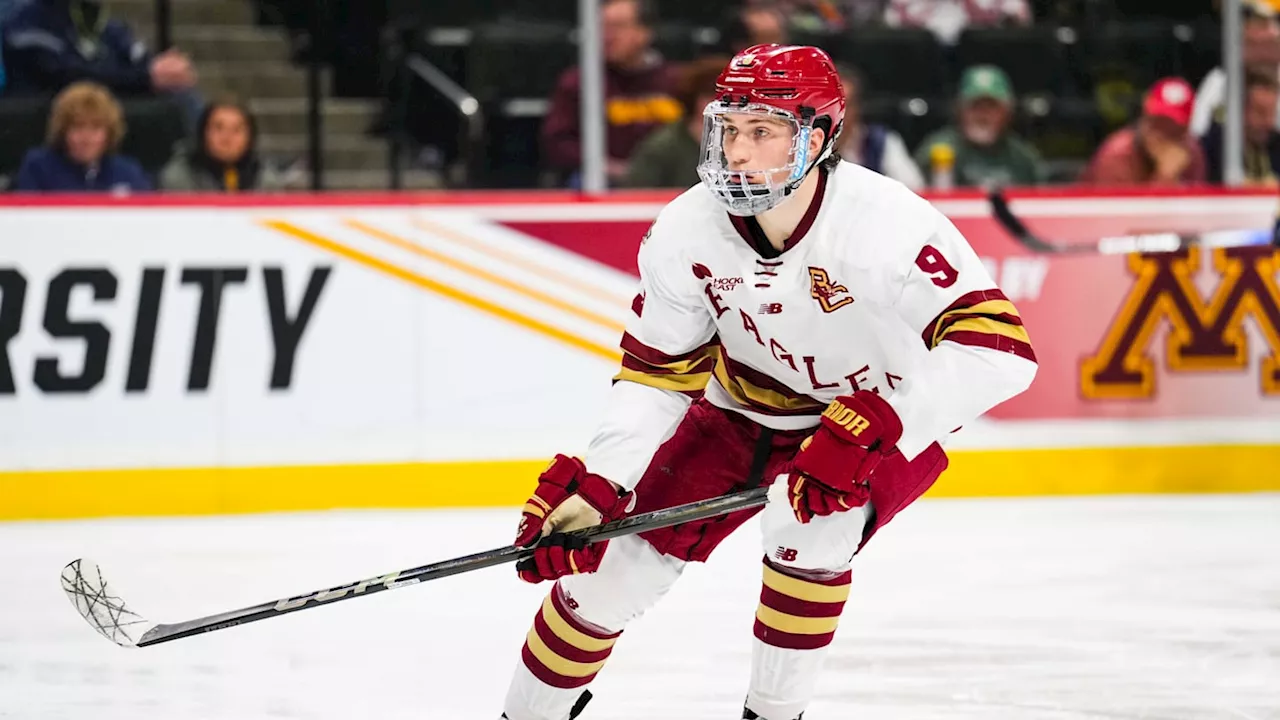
981, 149
669, 157
814, 15
638, 87
85, 130
1261, 139
948, 18
873, 146
1261, 50
225, 156
759, 22
49, 44
6, 9
1158, 149
858, 13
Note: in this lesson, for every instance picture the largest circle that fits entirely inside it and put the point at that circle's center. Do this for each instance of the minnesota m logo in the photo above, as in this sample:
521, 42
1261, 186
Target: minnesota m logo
1203, 335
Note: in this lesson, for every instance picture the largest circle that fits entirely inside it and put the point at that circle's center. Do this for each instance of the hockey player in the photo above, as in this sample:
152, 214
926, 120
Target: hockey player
803, 322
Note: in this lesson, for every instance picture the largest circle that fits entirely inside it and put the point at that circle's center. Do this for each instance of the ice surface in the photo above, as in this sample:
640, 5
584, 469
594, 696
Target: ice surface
1163, 608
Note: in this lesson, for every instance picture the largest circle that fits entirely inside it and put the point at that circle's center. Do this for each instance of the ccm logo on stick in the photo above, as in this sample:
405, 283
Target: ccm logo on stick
390, 582
72, 370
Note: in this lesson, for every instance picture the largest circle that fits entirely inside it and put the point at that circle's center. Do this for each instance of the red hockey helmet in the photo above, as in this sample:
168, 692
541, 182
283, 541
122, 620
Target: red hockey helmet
795, 86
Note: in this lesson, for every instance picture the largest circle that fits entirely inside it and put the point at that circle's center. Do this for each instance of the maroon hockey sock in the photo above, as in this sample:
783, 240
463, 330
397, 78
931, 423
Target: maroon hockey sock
795, 624
561, 650
798, 613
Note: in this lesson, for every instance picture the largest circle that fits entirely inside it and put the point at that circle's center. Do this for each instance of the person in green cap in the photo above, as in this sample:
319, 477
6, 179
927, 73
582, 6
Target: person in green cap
980, 149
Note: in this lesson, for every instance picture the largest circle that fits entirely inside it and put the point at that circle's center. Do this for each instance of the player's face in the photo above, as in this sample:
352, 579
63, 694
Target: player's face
755, 143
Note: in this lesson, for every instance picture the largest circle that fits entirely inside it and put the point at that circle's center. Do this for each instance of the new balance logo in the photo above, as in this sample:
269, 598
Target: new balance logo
771, 308
785, 554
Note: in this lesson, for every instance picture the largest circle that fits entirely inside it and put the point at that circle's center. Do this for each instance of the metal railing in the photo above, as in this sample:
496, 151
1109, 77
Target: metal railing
414, 65
318, 46
164, 24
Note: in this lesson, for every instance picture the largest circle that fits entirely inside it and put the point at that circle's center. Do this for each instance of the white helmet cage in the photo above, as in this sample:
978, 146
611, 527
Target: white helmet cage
755, 190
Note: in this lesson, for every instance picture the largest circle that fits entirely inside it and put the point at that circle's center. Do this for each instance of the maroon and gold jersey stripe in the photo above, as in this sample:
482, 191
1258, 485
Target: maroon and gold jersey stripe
984, 318
686, 373
757, 391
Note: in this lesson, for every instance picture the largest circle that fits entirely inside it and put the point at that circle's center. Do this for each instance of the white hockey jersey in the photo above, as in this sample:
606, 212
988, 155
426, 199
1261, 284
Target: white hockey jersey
875, 290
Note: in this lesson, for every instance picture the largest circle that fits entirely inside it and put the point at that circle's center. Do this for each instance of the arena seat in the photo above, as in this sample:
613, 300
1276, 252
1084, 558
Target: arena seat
440, 13
903, 62
22, 126
518, 60
1034, 57
1138, 53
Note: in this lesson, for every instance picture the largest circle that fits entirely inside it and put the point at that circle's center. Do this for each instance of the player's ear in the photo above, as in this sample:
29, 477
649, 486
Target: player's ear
817, 137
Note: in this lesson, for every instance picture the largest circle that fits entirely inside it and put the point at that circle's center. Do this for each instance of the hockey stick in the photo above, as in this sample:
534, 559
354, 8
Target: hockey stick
1120, 244
110, 616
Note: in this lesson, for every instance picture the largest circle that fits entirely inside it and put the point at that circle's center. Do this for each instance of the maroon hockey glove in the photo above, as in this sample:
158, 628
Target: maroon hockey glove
567, 498
830, 472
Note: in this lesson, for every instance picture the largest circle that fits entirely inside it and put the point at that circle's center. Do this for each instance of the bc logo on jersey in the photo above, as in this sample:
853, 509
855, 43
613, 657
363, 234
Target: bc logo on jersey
830, 296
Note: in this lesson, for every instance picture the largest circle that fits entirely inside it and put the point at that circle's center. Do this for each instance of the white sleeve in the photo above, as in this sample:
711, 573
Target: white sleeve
1209, 97
898, 163
980, 353
669, 351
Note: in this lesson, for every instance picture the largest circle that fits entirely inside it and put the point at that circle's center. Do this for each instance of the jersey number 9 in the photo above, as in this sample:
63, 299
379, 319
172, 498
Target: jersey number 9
940, 271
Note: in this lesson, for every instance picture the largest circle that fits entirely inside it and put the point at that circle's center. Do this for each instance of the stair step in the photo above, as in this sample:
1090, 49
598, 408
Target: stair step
225, 43
380, 180
288, 116
187, 12
258, 80
341, 152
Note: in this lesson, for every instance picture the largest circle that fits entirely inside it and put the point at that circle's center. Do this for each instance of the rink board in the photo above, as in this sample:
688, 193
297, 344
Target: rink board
177, 356
973, 473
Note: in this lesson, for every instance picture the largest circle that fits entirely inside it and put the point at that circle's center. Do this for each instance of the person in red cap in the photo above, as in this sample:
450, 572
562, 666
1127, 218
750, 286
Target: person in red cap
1156, 150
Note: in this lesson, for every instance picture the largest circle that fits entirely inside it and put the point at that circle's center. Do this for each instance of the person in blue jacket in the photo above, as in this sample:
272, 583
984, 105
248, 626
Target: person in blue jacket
49, 44
85, 129
6, 7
